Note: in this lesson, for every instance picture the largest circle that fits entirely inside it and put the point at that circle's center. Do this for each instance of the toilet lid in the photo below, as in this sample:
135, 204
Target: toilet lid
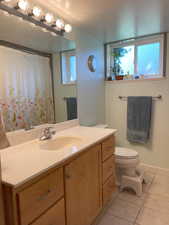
125, 153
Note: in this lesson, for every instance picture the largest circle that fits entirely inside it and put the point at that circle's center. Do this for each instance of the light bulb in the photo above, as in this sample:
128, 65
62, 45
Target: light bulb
36, 11
23, 5
48, 17
68, 28
60, 23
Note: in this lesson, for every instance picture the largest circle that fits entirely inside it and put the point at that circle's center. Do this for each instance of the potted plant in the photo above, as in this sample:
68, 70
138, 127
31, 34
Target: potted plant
117, 69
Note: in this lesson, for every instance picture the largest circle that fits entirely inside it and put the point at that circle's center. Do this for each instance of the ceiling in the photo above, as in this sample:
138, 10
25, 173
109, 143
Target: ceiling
113, 19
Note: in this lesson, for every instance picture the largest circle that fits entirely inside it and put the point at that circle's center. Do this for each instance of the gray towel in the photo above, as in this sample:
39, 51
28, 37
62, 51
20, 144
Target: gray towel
71, 108
139, 119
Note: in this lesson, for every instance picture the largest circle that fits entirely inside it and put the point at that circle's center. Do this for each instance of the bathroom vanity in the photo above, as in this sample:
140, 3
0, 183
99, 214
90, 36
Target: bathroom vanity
58, 187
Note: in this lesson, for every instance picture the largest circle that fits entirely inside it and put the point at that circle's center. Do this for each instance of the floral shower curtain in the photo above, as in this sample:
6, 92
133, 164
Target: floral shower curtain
25, 89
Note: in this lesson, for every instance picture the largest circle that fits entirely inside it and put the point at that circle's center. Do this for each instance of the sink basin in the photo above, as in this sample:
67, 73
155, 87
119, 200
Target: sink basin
60, 142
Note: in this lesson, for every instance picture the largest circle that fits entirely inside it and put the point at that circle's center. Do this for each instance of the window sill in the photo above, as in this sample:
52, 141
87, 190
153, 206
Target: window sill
69, 84
137, 80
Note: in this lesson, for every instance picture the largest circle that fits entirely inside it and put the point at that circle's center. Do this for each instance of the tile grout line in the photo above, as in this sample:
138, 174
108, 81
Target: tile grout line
122, 218
129, 221
142, 206
104, 211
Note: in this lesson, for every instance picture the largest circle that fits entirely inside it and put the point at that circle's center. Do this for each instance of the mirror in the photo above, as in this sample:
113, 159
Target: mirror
65, 95
37, 75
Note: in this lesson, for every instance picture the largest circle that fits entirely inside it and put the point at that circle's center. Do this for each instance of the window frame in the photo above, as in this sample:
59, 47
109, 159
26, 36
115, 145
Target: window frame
143, 40
61, 71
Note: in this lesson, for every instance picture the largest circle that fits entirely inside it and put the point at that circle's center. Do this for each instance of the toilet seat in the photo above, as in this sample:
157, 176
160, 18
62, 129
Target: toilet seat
125, 153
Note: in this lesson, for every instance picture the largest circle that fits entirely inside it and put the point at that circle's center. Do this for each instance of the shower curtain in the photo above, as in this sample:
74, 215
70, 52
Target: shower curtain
25, 89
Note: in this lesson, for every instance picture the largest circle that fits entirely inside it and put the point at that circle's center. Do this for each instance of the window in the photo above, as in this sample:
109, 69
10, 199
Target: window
135, 59
68, 67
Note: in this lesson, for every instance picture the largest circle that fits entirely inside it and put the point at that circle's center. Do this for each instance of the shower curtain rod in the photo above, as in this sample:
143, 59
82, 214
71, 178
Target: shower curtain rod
154, 98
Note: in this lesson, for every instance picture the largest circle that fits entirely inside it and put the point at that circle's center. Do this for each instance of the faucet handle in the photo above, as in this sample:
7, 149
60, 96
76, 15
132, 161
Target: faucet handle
47, 133
48, 130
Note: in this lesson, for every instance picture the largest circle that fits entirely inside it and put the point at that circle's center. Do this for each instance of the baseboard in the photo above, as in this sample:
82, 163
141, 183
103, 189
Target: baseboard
154, 167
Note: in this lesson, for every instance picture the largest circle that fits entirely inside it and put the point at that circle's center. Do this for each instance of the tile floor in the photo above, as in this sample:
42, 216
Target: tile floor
152, 208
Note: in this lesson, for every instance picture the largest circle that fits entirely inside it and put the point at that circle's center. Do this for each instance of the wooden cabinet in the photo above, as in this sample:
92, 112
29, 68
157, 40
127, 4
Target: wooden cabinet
83, 193
34, 200
54, 216
108, 188
2, 222
108, 169
108, 147
73, 194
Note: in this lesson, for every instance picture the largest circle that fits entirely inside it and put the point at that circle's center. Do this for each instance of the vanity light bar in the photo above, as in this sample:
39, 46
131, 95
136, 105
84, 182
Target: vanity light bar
5, 0
46, 22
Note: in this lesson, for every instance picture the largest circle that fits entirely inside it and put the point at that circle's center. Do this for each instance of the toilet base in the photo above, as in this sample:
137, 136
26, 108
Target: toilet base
135, 183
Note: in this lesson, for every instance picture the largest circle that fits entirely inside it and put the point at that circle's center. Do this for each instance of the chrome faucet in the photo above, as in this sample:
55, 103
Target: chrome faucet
47, 134
28, 126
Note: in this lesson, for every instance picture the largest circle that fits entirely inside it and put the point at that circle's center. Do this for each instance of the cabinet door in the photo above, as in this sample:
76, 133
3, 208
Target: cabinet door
83, 188
54, 216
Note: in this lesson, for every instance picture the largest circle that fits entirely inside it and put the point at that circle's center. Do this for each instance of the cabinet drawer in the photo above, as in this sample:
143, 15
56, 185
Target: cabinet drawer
108, 168
38, 197
108, 147
54, 216
108, 188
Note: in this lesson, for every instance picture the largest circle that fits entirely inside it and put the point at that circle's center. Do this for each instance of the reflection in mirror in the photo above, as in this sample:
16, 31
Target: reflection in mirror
37, 76
68, 66
25, 89
65, 85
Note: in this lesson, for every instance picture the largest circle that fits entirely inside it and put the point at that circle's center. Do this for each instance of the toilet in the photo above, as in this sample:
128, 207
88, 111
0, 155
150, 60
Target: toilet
127, 161
127, 171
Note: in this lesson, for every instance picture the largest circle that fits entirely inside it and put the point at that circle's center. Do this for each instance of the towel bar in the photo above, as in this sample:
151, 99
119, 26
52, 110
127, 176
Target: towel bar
154, 98
65, 98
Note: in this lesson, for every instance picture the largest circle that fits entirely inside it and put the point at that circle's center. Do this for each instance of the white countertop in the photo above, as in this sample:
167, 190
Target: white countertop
25, 161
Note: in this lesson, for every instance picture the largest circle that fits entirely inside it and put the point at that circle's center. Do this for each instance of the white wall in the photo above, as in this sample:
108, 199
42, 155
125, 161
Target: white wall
61, 91
90, 86
157, 151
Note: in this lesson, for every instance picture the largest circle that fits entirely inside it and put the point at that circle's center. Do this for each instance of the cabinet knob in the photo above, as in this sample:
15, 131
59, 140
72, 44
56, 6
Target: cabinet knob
68, 176
43, 196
